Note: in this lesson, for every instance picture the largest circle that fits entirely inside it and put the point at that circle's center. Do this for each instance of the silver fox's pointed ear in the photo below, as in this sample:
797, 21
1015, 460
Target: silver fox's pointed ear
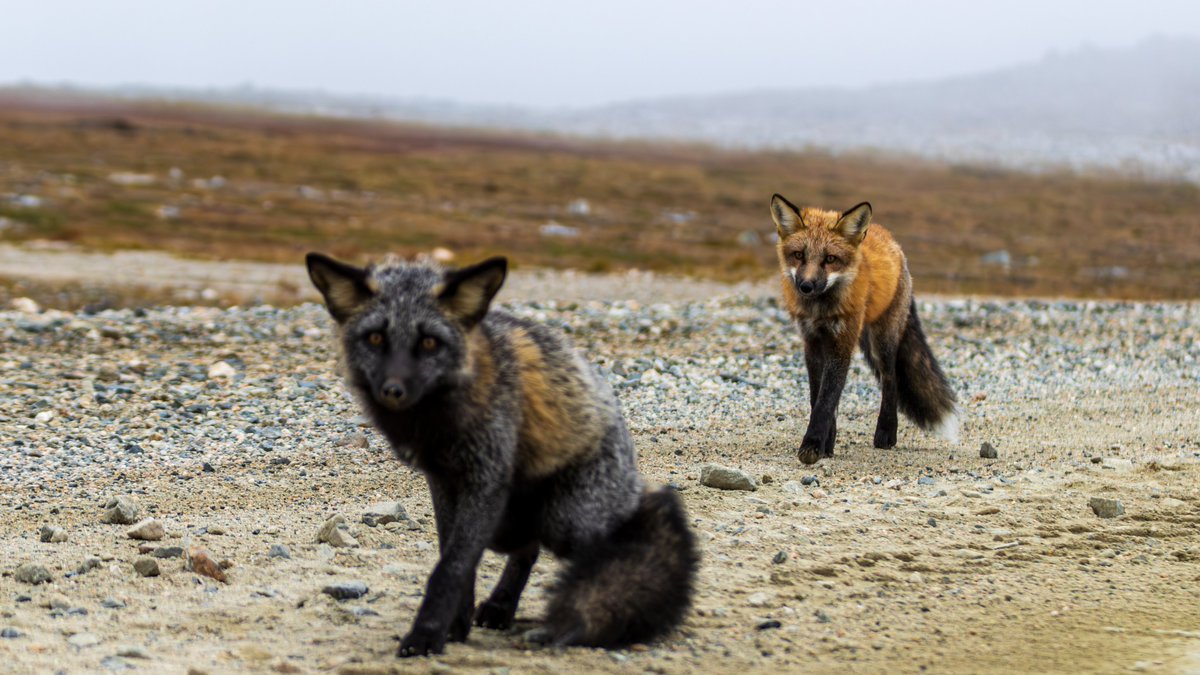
786, 215
853, 223
346, 288
466, 293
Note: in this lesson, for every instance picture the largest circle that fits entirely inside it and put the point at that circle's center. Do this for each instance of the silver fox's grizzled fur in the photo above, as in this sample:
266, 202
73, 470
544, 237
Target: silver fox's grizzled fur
523, 446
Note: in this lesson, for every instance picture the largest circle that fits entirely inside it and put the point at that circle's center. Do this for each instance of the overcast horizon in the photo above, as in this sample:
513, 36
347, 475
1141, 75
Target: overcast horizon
548, 54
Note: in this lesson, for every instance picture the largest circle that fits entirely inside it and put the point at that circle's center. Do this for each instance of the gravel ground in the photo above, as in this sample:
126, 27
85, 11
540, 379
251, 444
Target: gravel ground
231, 428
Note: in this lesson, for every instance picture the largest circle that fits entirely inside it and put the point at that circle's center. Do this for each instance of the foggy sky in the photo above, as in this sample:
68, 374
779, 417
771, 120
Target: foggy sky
553, 52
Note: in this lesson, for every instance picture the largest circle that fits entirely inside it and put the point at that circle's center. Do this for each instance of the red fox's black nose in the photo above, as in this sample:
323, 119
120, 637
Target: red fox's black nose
807, 287
392, 392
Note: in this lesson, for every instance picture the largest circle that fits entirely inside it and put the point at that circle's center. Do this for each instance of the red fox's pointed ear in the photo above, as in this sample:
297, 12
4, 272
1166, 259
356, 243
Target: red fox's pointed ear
346, 288
466, 293
786, 215
853, 223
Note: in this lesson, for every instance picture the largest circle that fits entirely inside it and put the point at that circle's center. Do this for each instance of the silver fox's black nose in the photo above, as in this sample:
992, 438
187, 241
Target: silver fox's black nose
807, 287
392, 392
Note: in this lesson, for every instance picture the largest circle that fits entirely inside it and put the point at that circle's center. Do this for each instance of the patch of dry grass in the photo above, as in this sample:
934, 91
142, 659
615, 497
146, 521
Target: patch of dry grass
358, 189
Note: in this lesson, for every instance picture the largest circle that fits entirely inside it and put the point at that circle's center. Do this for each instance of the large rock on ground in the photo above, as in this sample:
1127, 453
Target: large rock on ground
726, 478
121, 511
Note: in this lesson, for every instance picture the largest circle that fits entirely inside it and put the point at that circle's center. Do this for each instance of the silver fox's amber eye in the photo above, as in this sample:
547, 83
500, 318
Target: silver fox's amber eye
428, 344
375, 338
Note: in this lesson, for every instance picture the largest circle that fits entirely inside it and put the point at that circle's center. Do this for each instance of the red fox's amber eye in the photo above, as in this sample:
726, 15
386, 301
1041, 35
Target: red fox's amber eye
829, 259
429, 344
798, 256
375, 339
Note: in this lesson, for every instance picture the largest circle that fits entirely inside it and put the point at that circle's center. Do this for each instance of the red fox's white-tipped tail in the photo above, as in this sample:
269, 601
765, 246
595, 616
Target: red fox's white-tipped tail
924, 394
949, 426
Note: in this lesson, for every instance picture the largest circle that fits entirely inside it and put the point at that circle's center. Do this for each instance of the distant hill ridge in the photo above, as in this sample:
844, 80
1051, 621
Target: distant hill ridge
1128, 109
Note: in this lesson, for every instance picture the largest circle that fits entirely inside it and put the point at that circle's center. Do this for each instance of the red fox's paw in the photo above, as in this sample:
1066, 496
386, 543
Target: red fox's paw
809, 454
885, 439
422, 642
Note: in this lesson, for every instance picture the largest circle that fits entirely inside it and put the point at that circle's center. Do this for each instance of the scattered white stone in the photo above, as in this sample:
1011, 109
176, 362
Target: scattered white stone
1106, 508
121, 511
30, 573
83, 640
726, 478
25, 305
760, 599
147, 530
129, 178
336, 533
221, 369
383, 513
52, 534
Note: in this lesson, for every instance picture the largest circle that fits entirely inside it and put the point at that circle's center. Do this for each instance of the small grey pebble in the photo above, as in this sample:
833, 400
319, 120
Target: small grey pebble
279, 551
810, 480
168, 552
925, 480
932, 522
346, 591
767, 625
112, 603
10, 633
780, 558
207, 468
821, 616
988, 451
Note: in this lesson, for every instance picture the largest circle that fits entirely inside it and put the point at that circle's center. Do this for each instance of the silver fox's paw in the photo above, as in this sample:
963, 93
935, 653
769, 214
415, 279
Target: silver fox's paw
422, 642
809, 454
495, 615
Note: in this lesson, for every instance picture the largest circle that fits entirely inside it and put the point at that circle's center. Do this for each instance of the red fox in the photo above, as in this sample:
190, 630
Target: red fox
846, 282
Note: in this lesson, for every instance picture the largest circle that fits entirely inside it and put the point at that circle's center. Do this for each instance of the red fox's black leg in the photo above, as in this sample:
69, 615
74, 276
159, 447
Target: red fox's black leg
827, 371
830, 439
500, 608
813, 361
885, 429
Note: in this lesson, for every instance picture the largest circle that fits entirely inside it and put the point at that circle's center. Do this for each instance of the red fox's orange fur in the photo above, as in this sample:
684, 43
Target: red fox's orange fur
846, 282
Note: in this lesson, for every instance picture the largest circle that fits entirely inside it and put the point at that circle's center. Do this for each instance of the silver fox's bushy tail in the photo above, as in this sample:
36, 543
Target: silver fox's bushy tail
924, 394
634, 586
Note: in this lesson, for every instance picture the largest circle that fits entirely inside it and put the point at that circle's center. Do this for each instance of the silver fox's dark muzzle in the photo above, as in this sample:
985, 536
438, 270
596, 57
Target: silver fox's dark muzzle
393, 394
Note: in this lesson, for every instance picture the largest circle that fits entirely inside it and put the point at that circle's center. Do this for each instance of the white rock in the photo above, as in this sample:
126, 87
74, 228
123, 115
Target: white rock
221, 369
760, 599
147, 530
83, 640
25, 305
336, 533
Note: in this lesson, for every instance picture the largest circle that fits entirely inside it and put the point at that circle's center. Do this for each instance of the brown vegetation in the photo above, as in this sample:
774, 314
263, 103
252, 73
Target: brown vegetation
357, 189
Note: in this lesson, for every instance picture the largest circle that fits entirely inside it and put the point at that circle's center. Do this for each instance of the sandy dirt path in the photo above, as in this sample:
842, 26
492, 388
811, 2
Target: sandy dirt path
926, 558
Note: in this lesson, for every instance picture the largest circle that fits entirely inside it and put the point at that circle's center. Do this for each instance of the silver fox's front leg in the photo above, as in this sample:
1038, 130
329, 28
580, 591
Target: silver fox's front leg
500, 608
467, 515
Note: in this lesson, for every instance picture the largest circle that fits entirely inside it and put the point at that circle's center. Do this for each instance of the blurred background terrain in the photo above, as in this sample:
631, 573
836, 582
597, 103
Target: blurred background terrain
1056, 158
